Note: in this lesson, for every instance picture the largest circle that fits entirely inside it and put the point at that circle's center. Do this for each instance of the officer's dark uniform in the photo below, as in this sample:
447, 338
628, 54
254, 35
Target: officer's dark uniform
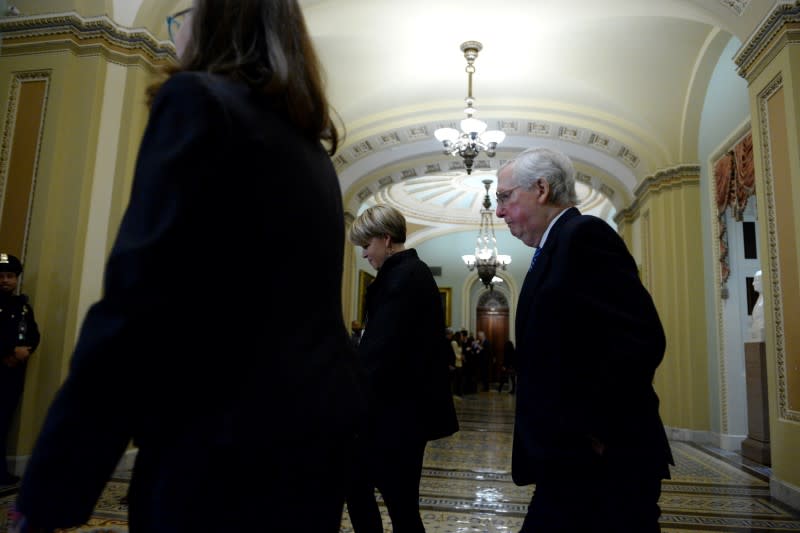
17, 328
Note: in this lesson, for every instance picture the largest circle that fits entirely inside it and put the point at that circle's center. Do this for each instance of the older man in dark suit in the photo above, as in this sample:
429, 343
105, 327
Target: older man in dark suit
587, 429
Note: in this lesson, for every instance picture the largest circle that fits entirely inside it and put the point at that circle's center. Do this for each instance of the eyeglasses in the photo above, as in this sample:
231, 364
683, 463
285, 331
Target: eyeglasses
174, 22
503, 196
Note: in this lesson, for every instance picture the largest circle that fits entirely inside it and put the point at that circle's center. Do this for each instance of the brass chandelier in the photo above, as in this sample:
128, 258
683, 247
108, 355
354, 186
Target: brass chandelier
486, 258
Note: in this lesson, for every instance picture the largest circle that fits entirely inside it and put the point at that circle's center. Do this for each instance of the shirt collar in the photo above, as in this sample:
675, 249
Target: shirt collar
550, 226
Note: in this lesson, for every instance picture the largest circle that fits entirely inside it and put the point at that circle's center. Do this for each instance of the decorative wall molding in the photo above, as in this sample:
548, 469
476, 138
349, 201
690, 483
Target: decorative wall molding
6, 144
670, 177
737, 6
781, 27
493, 300
773, 251
83, 36
719, 251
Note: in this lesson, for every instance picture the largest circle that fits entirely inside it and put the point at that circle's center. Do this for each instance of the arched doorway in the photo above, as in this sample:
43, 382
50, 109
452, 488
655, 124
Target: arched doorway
492, 318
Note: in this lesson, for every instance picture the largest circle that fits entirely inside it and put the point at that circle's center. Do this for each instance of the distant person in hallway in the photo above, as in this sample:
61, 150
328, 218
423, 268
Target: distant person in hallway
238, 389
19, 337
405, 357
457, 343
587, 429
483, 350
509, 372
470, 363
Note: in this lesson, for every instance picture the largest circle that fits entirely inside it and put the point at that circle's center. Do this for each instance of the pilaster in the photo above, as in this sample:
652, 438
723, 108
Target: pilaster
770, 62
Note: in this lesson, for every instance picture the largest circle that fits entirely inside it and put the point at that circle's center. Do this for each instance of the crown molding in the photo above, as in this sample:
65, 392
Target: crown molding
83, 36
780, 28
670, 177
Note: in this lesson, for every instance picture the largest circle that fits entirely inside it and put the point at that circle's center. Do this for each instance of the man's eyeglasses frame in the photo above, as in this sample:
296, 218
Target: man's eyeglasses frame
503, 196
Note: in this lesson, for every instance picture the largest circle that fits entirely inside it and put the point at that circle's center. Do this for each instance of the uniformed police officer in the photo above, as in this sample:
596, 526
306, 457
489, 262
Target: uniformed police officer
19, 337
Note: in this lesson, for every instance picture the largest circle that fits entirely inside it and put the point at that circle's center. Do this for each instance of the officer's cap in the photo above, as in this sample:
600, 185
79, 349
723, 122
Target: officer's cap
9, 263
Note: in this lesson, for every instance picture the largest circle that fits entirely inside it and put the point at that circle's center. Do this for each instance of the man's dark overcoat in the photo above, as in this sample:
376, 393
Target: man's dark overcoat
589, 340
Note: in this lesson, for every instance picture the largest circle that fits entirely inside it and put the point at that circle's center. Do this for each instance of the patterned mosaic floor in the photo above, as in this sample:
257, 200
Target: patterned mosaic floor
467, 488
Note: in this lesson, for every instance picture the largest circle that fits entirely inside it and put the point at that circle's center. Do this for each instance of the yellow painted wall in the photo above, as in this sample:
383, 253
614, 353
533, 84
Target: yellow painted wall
775, 99
668, 214
67, 178
69, 124
85, 7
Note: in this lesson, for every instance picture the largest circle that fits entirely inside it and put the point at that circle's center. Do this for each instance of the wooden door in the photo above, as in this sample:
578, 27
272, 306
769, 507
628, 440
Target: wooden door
492, 319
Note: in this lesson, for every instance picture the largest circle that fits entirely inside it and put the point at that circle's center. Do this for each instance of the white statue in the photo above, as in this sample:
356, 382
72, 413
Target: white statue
757, 324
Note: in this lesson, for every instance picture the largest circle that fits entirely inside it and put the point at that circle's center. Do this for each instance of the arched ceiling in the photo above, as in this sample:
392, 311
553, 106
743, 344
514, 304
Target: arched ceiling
616, 84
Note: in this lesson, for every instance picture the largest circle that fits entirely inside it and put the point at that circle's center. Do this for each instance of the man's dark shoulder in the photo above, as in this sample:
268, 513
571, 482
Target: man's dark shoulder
588, 223
590, 228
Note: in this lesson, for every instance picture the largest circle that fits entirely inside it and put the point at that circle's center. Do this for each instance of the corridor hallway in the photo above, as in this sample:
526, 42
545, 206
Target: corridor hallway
466, 485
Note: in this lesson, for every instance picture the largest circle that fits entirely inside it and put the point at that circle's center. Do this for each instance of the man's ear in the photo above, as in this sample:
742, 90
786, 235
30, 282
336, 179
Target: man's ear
542, 188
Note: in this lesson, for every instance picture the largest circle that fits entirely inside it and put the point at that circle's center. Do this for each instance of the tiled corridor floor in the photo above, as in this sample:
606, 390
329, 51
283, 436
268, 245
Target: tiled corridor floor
467, 488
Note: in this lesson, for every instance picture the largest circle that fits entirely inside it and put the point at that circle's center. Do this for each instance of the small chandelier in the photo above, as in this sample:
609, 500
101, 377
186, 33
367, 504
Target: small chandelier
486, 257
473, 137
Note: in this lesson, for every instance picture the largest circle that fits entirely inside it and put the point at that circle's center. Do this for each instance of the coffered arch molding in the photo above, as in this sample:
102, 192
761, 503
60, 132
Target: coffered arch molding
618, 149
601, 173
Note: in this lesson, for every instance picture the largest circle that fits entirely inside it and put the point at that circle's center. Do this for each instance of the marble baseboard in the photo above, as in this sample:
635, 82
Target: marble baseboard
785, 492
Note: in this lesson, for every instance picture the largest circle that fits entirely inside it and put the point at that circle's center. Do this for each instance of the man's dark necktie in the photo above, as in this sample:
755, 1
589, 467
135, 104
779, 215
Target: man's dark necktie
535, 257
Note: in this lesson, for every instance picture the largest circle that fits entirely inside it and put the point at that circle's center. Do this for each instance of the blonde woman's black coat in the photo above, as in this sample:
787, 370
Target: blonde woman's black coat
404, 354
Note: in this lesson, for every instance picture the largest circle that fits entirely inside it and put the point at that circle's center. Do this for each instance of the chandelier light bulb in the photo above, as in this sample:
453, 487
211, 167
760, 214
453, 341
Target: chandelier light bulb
484, 254
493, 137
446, 134
473, 125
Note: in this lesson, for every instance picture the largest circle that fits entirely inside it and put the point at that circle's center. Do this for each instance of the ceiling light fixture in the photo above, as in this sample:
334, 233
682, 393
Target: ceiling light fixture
486, 258
473, 137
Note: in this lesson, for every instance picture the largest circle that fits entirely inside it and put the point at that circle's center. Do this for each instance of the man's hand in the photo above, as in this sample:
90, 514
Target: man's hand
22, 352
